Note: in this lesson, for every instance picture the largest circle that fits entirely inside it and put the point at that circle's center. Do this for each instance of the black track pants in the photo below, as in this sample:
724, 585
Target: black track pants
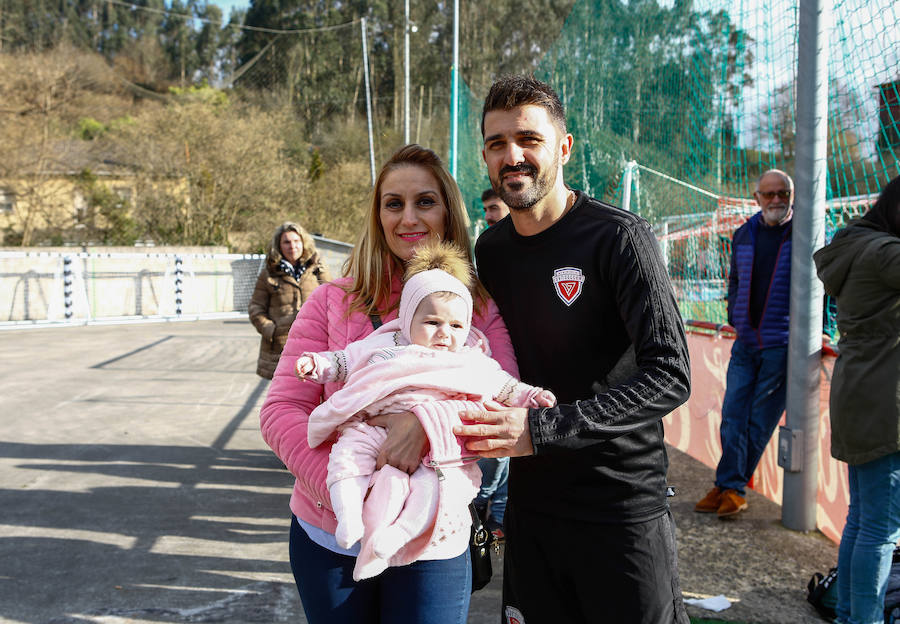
560, 571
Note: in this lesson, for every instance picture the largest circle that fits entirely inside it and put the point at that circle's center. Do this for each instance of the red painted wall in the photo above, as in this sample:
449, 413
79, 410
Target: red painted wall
694, 429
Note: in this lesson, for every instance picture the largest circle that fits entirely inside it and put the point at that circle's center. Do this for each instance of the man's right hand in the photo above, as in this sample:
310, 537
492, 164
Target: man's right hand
498, 431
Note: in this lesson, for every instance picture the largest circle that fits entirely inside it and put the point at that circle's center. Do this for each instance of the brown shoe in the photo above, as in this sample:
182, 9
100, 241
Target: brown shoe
710, 502
732, 504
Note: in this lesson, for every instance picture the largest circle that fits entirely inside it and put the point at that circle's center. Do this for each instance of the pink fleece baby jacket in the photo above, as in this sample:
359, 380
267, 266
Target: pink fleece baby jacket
430, 383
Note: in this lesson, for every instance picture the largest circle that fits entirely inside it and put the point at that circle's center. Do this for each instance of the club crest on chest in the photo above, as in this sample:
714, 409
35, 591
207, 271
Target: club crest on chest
568, 283
511, 615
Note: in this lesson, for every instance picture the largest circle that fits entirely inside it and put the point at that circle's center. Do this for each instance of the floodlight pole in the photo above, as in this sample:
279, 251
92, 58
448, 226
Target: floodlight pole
805, 342
454, 91
365, 48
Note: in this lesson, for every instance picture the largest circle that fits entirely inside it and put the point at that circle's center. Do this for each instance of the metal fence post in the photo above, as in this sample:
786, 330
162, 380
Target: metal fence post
664, 248
179, 279
801, 464
67, 286
627, 178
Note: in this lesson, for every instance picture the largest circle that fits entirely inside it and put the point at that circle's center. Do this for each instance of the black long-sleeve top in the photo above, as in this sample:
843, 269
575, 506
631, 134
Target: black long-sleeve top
599, 454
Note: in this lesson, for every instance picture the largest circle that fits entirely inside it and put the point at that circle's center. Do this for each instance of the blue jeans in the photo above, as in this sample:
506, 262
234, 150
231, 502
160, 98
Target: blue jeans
494, 484
867, 544
425, 591
755, 394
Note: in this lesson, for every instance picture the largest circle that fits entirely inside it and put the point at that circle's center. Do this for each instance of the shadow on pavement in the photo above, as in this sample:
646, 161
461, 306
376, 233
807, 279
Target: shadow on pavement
175, 527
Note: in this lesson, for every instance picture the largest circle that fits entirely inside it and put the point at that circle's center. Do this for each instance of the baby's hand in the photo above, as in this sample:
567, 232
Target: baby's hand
304, 367
545, 398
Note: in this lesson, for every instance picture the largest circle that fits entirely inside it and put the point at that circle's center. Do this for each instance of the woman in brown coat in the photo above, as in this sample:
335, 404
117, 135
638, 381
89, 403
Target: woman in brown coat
293, 270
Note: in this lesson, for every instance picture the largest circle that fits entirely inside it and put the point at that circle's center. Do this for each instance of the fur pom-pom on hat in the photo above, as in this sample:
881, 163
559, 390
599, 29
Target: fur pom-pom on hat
435, 267
440, 255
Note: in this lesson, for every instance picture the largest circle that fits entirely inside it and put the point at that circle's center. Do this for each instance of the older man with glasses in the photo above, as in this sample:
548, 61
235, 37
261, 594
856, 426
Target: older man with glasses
759, 285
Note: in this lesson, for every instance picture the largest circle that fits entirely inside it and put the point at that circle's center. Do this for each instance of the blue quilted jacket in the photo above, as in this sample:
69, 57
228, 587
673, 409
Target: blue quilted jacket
774, 322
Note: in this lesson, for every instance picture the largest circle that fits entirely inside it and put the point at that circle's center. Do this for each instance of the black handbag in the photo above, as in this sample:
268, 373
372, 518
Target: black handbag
821, 593
480, 551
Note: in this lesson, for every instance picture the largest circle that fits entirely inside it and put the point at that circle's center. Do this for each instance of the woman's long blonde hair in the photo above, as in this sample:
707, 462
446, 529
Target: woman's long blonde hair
274, 255
372, 264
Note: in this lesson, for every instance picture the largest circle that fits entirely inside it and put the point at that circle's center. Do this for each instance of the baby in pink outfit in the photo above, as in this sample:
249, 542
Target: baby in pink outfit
423, 362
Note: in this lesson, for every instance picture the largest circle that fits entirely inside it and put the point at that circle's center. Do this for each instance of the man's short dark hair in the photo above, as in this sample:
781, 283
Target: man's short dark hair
489, 194
509, 92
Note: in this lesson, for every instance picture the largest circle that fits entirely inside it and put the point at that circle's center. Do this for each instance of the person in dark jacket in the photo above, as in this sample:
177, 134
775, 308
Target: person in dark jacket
861, 269
293, 270
490, 502
759, 285
585, 295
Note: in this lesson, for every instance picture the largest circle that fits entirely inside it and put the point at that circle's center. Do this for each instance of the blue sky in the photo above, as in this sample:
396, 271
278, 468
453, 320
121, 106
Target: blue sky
226, 5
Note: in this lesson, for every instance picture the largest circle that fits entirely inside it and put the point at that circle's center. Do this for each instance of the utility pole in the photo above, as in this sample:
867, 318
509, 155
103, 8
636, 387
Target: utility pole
365, 47
454, 91
406, 73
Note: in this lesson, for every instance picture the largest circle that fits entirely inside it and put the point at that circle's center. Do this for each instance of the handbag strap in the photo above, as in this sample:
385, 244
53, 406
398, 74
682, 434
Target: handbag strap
480, 535
476, 519
376, 320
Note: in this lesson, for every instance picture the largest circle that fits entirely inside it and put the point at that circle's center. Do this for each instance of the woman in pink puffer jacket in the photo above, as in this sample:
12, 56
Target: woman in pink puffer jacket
415, 199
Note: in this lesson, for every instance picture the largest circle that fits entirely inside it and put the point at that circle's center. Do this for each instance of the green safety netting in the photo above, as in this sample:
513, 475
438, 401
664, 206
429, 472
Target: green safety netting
687, 103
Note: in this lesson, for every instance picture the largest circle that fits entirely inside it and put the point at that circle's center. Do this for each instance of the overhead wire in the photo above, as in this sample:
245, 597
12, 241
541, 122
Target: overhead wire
275, 31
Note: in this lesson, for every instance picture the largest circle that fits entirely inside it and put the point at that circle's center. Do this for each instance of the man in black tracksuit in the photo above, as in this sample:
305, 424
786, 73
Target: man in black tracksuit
591, 314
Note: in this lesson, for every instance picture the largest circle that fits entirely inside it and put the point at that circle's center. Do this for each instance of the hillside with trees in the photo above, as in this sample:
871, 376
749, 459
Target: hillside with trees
166, 121
224, 129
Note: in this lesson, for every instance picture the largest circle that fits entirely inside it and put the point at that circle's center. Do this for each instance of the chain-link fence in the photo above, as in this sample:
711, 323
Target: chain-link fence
678, 108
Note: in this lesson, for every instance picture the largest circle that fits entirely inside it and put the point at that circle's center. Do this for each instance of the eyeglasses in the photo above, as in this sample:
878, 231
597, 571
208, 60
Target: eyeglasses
782, 194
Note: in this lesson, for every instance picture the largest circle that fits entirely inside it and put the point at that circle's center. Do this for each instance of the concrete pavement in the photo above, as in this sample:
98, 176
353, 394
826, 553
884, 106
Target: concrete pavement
134, 487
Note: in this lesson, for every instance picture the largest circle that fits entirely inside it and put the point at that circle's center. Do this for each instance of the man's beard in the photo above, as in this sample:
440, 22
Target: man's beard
526, 197
776, 213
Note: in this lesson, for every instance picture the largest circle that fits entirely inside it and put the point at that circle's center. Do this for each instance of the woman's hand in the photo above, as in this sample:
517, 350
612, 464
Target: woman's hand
406, 442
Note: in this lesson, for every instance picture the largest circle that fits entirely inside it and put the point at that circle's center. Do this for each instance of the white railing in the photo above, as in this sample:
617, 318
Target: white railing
62, 287
91, 287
